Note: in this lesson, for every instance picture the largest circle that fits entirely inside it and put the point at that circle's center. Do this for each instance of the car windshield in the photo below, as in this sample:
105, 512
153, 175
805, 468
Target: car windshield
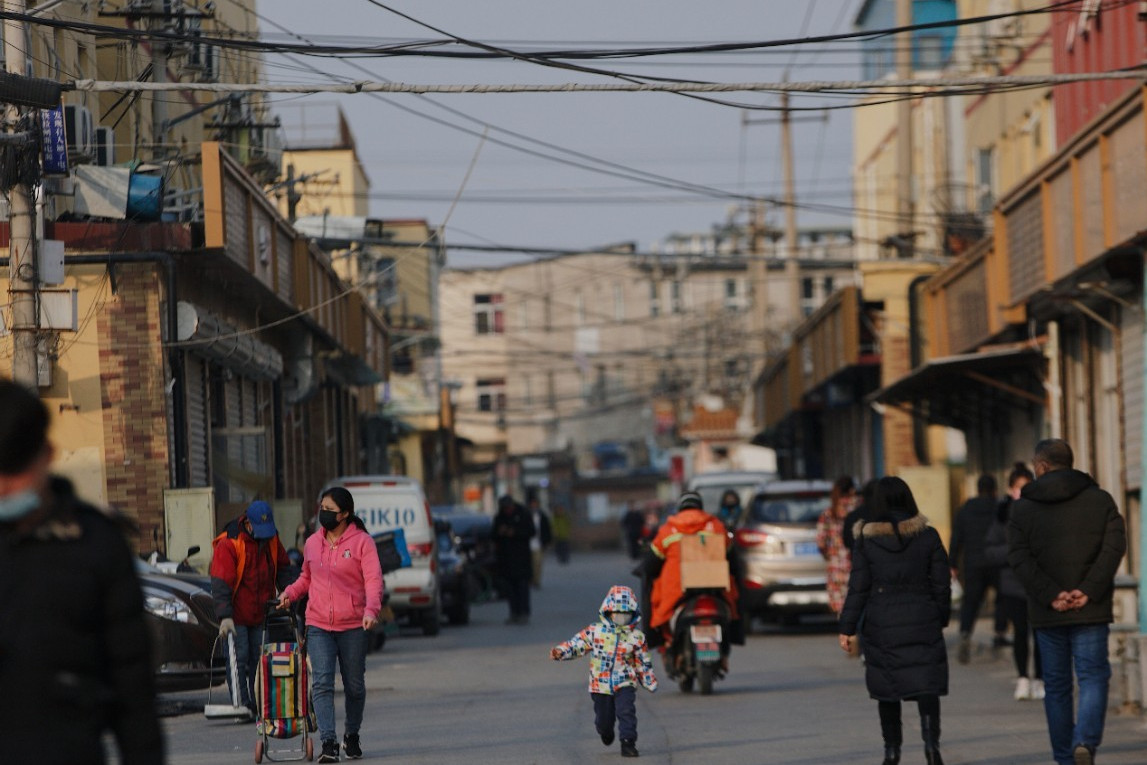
788, 508
712, 494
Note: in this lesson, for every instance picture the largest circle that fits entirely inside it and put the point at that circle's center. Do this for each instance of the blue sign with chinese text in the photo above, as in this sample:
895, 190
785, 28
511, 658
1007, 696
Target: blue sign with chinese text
55, 141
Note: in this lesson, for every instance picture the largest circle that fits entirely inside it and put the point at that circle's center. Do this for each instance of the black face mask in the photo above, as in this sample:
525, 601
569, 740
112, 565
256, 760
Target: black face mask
328, 519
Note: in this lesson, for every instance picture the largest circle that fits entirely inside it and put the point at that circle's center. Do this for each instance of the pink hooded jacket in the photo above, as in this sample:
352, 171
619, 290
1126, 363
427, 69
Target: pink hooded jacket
343, 579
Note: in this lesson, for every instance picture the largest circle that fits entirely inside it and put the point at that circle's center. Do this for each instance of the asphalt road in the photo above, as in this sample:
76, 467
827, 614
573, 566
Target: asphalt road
488, 693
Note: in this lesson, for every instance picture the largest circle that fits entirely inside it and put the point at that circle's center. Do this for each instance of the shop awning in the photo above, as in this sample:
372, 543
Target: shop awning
956, 390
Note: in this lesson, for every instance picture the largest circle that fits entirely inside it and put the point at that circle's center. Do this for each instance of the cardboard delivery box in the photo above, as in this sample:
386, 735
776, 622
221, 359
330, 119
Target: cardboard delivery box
703, 564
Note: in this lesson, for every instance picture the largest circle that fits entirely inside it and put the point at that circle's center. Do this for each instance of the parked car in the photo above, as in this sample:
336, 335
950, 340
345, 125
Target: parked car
387, 502
455, 575
473, 539
180, 616
781, 572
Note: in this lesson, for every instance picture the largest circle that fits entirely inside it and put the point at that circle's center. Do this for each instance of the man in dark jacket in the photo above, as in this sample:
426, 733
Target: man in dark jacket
74, 655
1065, 541
512, 531
969, 535
249, 567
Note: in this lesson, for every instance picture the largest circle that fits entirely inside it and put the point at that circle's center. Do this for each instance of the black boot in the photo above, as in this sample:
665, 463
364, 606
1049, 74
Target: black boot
893, 737
930, 732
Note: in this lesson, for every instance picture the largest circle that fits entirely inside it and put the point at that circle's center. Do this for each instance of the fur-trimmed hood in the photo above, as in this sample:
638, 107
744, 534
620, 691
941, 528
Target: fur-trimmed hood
909, 527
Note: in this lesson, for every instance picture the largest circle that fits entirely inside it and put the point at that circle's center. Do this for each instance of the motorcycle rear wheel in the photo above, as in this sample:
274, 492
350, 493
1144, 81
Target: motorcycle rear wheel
705, 675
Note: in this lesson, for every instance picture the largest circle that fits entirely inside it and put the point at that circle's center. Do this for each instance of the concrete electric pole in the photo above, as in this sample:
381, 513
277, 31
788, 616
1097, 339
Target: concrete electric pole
905, 205
23, 278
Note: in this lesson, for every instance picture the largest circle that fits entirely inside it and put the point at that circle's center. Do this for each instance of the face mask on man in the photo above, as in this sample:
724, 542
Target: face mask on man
328, 519
16, 506
621, 618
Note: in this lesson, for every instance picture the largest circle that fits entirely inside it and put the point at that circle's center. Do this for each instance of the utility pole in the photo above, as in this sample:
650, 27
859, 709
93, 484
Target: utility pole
792, 261
158, 75
759, 280
792, 267
905, 206
23, 280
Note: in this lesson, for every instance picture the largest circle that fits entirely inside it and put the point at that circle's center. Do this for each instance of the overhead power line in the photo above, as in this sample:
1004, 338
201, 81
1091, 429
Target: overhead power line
914, 87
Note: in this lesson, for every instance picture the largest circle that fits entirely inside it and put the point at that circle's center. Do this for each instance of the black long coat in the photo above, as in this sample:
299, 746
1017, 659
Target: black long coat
75, 660
900, 599
512, 531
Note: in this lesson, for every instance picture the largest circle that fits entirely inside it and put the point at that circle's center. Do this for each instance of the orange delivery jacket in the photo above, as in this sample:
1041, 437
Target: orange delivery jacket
667, 587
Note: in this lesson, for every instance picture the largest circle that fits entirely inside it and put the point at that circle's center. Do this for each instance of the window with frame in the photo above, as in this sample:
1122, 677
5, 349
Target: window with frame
491, 394
654, 300
675, 292
489, 315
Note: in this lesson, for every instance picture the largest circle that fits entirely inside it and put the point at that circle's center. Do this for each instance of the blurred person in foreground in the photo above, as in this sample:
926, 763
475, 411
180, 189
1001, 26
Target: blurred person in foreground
75, 661
1065, 541
899, 601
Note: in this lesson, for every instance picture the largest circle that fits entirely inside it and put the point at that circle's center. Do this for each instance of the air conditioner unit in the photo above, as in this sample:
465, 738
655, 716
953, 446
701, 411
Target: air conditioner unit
80, 133
105, 146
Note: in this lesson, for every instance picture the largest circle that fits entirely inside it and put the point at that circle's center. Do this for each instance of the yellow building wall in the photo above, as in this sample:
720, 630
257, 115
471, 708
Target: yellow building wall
74, 399
340, 186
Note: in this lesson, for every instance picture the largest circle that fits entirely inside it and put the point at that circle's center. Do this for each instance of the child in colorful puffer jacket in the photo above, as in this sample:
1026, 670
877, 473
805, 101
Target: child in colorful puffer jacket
619, 660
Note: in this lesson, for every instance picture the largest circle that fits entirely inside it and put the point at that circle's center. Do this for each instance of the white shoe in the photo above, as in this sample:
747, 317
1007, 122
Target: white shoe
1023, 689
1037, 689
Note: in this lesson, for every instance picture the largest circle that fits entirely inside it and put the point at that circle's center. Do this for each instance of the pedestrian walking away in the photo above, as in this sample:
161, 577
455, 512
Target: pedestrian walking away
561, 526
619, 662
633, 524
249, 567
1066, 539
343, 578
512, 531
75, 662
899, 601
1013, 599
830, 540
969, 535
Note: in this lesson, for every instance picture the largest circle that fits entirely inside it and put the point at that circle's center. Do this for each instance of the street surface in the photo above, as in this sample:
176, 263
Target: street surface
488, 693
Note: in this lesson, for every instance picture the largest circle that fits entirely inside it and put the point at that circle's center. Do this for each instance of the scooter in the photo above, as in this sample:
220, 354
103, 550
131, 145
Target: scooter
700, 648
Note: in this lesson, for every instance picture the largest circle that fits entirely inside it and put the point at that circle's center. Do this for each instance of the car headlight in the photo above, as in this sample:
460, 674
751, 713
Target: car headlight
167, 606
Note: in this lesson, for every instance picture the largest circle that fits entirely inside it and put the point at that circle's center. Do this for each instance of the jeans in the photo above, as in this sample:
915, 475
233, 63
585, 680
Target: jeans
349, 647
248, 648
1085, 647
622, 705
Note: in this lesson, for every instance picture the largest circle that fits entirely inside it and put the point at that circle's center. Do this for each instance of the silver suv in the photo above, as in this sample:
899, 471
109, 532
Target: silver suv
782, 573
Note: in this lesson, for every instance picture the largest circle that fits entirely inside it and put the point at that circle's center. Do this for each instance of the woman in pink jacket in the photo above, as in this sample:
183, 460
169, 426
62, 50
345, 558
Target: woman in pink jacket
343, 577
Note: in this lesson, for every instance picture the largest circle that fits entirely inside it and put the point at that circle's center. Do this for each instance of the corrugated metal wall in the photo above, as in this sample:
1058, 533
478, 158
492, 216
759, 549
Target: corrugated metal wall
1132, 382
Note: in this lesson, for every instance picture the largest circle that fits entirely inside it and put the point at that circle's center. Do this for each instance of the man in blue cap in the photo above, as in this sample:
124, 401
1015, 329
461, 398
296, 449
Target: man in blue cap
249, 566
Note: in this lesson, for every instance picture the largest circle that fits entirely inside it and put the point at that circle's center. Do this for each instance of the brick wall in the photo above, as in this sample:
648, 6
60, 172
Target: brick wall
134, 400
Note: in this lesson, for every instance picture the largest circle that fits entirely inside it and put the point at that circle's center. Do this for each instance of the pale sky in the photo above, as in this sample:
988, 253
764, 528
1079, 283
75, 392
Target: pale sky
417, 166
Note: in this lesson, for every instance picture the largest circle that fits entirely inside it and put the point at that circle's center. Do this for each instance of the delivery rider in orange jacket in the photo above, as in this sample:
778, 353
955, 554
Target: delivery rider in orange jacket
664, 561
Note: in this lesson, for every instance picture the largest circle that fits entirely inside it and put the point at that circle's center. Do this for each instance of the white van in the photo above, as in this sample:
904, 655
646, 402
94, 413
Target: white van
712, 485
388, 502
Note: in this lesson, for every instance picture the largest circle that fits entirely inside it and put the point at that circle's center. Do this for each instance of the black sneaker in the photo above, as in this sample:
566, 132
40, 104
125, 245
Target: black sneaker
351, 746
629, 748
607, 737
330, 751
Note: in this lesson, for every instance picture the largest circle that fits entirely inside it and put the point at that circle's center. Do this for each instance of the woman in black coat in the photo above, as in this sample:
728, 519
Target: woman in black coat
899, 599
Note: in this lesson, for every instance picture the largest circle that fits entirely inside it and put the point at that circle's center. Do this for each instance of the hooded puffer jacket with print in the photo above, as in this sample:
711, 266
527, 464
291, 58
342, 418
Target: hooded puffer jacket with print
619, 657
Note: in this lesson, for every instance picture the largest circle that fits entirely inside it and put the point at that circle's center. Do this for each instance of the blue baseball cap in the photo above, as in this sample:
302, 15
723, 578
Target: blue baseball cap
262, 520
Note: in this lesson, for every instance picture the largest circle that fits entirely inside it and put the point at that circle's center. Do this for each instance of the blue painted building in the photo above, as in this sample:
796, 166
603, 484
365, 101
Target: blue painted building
931, 48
